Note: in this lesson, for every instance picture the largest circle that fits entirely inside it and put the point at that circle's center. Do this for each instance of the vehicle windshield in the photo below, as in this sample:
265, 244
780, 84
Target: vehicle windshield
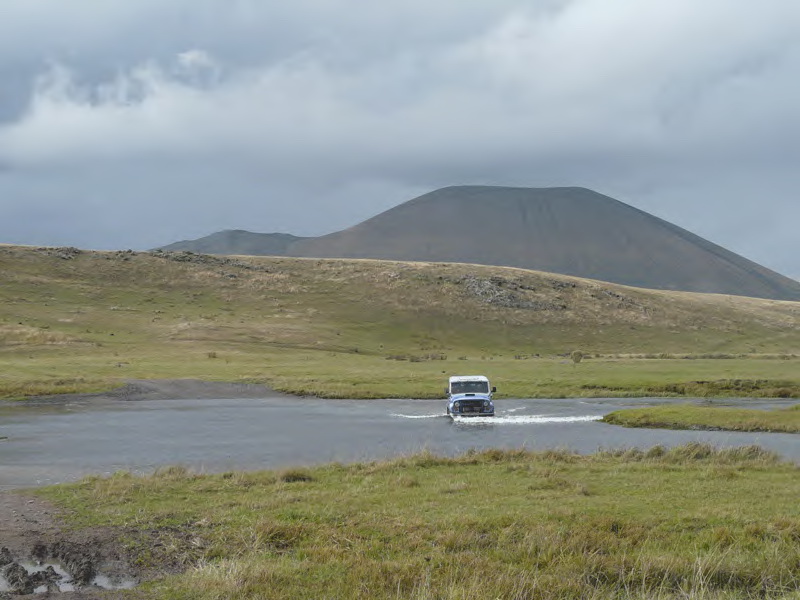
469, 387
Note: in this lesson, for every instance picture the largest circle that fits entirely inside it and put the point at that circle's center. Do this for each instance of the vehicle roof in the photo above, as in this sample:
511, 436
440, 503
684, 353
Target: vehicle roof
469, 378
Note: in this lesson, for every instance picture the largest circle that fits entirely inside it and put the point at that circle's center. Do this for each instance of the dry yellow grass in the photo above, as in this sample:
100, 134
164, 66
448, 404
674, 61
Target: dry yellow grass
150, 315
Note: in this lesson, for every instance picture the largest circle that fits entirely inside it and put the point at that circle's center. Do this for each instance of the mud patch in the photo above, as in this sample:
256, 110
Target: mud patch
40, 559
59, 567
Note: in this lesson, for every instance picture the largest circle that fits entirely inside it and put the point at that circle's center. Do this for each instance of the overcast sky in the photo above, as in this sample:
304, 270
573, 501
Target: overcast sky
137, 123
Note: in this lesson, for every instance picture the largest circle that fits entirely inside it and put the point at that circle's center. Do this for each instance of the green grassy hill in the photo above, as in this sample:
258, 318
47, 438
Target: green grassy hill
72, 319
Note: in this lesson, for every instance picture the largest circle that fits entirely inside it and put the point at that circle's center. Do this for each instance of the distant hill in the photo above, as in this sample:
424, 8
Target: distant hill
166, 303
238, 242
570, 231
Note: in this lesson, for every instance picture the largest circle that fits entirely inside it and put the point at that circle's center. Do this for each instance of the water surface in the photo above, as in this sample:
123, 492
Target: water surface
53, 443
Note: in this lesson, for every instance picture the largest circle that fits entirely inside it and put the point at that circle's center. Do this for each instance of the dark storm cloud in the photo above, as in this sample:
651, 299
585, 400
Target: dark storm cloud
138, 124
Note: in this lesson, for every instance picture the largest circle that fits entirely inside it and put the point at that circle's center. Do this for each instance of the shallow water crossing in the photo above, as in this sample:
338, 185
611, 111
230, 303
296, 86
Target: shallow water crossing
51, 443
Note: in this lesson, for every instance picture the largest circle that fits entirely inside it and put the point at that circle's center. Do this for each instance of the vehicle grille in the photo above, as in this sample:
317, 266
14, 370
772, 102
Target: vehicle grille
470, 406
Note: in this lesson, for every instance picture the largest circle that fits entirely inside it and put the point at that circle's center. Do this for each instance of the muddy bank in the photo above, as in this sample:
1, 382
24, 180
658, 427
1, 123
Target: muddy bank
165, 389
37, 554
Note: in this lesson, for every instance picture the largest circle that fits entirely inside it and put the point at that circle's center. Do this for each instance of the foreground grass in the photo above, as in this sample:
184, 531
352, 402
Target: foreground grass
707, 417
690, 522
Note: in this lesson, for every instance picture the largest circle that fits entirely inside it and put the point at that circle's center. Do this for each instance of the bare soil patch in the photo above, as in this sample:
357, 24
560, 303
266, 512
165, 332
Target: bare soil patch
31, 534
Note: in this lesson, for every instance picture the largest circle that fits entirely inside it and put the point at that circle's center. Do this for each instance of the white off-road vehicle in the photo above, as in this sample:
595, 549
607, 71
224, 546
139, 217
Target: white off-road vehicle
469, 396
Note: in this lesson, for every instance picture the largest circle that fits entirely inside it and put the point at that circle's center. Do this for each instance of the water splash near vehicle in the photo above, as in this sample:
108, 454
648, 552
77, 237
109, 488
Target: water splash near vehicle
523, 420
435, 416
507, 419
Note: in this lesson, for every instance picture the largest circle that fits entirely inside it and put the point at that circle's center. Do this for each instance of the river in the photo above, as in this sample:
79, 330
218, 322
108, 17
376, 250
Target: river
58, 442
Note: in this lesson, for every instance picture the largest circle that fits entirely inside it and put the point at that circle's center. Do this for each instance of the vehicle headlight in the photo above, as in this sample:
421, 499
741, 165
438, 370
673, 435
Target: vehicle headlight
455, 404
486, 404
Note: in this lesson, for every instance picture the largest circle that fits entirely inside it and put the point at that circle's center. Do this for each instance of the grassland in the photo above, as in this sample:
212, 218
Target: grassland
79, 321
690, 522
706, 417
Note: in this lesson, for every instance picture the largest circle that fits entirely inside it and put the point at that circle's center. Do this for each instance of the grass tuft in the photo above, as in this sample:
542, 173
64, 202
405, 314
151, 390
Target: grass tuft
173, 472
295, 475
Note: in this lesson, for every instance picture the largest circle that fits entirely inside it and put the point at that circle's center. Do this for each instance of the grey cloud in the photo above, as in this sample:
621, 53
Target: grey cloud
255, 115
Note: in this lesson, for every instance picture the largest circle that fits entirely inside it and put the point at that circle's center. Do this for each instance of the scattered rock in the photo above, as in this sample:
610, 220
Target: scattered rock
499, 291
66, 253
557, 284
187, 256
623, 302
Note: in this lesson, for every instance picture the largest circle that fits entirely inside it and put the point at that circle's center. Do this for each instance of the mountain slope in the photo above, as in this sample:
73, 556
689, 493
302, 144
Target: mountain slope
65, 296
237, 241
571, 231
